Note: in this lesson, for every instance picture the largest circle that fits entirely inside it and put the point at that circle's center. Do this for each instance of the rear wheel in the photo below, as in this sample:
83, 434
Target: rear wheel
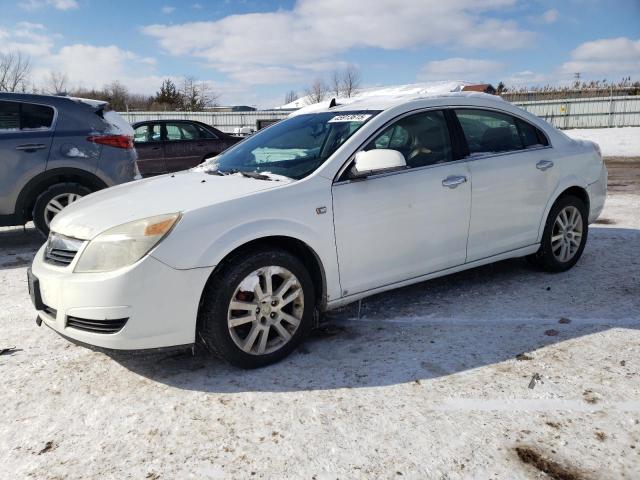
258, 309
53, 200
564, 237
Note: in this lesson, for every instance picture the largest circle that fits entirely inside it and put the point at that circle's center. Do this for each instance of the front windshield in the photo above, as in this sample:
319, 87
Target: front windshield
294, 147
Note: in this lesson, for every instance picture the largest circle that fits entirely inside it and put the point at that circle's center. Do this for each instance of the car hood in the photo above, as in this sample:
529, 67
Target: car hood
179, 192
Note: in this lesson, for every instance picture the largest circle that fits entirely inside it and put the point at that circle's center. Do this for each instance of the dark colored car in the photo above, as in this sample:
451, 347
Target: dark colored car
54, 150
165, 146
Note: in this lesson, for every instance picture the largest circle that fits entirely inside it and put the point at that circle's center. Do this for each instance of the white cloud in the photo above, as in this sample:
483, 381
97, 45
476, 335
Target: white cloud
316, 31
465, 69
27, 38
605, 58
168, 9
57, 4
550, 16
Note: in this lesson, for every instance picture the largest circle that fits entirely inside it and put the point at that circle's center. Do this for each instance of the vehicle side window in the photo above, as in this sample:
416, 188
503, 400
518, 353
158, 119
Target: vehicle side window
489, 132
204, 133
9, 116
16, 116
35, 117
173, 132
189, 131
147, 133
531, 136
422, 138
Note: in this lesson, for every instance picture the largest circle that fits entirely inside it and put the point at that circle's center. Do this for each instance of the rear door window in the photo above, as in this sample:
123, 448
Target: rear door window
182, 131
16, 116
9, 116
487, 131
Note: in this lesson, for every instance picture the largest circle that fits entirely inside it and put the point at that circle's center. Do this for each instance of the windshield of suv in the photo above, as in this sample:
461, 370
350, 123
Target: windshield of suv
294, 147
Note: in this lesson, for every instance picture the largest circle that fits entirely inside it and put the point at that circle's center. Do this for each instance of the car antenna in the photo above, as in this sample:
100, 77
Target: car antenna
333, 103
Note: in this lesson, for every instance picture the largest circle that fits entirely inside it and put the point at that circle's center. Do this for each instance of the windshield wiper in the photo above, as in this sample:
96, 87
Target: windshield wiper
256, 175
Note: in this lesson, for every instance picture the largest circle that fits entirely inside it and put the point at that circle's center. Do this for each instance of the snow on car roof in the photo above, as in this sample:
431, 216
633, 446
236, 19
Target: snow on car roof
385, 102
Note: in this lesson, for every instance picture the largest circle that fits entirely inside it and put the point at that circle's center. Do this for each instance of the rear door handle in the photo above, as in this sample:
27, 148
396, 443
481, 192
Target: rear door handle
31, 147
544, 165
453, 181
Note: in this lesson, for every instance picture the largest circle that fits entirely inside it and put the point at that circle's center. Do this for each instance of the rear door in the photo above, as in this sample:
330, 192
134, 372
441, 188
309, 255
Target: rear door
26, 132
183, 146
513, 177
147, 139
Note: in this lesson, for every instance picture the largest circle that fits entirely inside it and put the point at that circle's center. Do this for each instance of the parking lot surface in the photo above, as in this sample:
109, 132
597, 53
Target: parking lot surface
498, 372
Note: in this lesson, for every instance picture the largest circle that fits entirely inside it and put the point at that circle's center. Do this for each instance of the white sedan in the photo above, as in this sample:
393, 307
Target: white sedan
333, 204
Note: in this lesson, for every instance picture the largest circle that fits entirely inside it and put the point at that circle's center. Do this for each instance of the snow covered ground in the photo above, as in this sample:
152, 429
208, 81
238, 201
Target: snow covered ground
614, 142
432, 381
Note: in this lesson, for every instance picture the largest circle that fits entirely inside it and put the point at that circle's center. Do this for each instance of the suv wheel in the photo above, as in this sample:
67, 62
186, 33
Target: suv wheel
258, 309
50, 202
564, 237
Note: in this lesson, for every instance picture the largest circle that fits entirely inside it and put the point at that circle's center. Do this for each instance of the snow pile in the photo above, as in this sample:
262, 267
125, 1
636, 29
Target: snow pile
410, 90
614, 142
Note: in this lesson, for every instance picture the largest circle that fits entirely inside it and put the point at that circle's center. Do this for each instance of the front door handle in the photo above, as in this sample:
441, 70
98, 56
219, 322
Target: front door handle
544, 165
453, 181
31, 147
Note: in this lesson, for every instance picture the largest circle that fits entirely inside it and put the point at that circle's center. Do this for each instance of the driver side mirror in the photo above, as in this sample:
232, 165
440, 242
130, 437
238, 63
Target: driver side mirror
376, 161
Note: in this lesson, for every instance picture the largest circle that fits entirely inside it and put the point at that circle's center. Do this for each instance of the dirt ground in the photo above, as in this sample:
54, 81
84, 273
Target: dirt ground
500, 372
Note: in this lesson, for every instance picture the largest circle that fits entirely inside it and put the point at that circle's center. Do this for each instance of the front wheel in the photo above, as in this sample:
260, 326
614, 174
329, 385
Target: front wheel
257, 309
564, 237
51, 202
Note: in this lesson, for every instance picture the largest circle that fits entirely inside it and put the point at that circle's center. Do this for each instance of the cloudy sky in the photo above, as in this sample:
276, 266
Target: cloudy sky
253, 52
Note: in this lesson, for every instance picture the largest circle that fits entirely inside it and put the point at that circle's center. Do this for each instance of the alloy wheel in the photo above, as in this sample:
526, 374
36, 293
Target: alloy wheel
566, 235
265, 310
57, 203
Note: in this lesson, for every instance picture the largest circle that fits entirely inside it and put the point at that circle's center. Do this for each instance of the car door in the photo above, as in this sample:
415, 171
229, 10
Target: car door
402, 224
183, 146
147, 139
26, 132
511, 167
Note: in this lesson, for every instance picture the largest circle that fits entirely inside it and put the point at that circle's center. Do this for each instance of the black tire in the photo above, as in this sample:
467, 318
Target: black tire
213, 331
39, 213
544, 257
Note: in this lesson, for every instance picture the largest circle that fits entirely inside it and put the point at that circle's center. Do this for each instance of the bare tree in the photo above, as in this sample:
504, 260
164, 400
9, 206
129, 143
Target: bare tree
291, 96
14, 71
350, 81
56, 83
196, 95
117, 96
316, 92
336, 83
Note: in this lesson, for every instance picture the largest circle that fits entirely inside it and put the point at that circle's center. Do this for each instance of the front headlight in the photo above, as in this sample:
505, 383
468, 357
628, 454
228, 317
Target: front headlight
125, 244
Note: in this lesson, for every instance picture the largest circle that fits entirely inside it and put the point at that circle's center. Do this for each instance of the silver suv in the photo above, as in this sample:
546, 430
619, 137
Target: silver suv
54, 150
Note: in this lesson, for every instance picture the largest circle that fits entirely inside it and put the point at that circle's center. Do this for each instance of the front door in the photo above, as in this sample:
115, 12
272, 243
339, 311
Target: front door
403, 224
513, 177
147, 139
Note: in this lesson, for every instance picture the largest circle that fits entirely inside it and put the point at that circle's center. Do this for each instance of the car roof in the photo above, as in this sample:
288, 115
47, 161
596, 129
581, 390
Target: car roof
51, 99
386, 102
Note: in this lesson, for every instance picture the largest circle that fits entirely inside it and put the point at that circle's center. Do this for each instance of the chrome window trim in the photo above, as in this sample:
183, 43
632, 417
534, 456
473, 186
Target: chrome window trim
54, 121
466, 159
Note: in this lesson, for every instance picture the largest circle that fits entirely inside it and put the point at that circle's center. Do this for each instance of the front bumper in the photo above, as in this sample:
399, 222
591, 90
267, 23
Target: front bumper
159, 303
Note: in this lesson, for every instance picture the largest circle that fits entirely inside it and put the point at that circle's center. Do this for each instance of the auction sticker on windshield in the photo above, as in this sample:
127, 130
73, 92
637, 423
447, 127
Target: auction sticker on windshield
356, 117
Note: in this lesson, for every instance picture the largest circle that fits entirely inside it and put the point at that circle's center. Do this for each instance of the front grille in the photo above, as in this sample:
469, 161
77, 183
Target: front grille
96, 326
61, 250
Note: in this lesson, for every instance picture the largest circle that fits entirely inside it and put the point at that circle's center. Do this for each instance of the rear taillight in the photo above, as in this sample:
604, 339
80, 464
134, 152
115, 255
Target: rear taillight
117, 141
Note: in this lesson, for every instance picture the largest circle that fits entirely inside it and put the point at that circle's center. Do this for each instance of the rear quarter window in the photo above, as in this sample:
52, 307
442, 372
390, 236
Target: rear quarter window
36, 117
